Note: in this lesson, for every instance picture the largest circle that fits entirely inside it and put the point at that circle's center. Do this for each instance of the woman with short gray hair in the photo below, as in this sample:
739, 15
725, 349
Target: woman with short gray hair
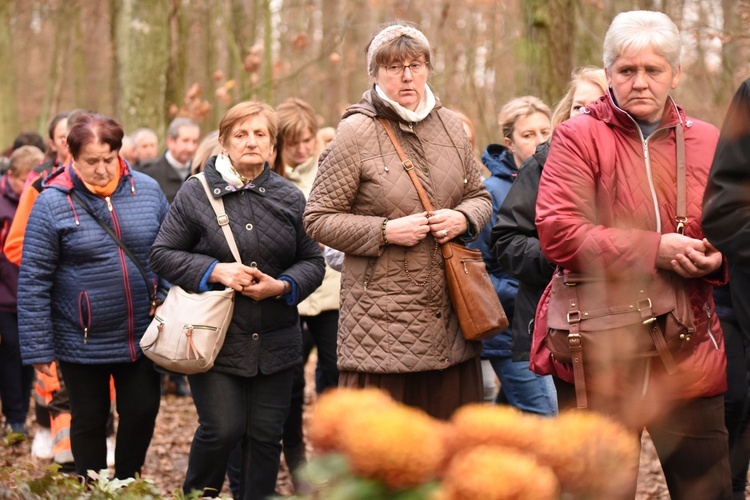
608, 213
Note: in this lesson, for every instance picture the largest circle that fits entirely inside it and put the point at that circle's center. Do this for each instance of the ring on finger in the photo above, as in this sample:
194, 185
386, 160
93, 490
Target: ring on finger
445, 233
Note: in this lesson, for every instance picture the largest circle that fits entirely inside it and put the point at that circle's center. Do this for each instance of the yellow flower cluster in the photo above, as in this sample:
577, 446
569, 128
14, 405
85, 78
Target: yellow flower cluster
488, 452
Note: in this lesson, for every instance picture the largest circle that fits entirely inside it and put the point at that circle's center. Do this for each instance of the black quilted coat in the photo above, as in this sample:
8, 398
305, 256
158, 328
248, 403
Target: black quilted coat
266, 221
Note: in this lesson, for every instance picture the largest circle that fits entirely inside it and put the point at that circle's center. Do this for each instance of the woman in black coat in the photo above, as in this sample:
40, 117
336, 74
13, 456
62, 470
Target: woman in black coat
245, 396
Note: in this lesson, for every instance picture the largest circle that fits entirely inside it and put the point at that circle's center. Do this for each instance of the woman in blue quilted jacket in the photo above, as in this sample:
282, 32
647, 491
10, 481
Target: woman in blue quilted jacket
84, 303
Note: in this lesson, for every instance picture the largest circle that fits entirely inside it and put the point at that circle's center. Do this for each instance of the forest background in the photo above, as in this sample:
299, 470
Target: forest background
145, 61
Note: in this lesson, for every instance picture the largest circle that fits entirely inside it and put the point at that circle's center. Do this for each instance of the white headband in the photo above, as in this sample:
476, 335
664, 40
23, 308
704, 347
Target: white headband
391, 33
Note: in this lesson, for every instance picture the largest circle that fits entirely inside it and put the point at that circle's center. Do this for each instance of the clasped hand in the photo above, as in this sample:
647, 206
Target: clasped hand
249, 281
688, 257
444, 225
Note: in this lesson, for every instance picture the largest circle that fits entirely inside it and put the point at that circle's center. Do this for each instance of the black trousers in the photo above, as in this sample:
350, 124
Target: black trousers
737, 406
690, 440
15, 378
137, 397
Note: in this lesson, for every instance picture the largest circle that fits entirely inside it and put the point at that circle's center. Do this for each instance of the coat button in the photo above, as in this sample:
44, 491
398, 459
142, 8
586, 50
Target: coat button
262, 189
438, 314
256, 336
217, 191
249, 227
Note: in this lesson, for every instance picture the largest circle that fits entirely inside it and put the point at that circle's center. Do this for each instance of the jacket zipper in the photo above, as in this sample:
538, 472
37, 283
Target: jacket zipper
650, 177
126, 281
708, 326
84, 318
368, 273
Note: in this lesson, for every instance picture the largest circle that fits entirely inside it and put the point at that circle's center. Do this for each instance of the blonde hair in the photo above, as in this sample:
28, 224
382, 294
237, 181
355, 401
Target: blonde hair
518, 108
208, 147
591, 74
23, 159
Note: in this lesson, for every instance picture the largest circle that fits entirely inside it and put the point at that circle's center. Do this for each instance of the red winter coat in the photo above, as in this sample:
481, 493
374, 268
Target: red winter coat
596, 214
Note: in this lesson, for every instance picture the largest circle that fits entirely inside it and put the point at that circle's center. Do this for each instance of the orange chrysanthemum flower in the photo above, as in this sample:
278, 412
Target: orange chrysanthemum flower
337, 406
397, 445
497, 473
500, 425
590, 454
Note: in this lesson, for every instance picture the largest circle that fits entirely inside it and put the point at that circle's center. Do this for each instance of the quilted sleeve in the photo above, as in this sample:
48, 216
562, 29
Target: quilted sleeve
41, 252
171, 255
309, 267
327, 216
566, 212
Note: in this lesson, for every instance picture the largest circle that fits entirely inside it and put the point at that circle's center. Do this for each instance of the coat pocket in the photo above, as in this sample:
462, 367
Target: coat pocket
84, 314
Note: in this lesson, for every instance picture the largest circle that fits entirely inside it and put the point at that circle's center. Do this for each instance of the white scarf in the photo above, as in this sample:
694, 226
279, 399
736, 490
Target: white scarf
224, 166
419, 114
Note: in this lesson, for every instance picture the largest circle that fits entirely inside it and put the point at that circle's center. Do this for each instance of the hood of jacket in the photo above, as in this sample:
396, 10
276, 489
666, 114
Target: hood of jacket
65, 179
499, 161
372, 105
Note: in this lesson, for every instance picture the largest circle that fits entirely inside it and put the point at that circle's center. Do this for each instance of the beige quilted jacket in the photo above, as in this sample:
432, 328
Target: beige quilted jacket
391, 321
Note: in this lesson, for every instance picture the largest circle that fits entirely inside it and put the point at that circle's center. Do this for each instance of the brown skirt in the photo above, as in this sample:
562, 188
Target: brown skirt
437, 392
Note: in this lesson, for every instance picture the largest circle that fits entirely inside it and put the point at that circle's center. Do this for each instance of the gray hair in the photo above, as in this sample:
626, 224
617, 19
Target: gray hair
142, 132
173, 130
638, 29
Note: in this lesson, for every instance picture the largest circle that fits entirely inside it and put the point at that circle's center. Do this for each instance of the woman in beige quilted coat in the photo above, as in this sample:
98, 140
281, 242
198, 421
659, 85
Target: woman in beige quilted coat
397, 329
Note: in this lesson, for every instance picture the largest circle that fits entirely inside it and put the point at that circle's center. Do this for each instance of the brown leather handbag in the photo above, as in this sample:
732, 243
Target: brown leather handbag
474, 299
603, 325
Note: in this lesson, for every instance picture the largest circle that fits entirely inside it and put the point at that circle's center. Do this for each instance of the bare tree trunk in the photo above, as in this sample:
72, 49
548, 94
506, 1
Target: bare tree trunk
549, 46
179, 25
143, 50
267, 88
58, 61
8, 96
329, 45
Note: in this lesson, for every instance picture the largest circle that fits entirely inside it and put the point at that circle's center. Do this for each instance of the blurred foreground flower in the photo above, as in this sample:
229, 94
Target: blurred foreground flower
371, 447
497, 473
591, 455
501, 425
336, 406
399, 445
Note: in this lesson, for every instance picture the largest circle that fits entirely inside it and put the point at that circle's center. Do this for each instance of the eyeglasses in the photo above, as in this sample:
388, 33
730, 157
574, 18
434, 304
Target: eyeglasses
416, 68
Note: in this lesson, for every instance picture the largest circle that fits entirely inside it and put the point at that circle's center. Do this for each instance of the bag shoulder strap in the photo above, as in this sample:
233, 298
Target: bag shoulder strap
681, 208
221, 217
408, 166
149, 285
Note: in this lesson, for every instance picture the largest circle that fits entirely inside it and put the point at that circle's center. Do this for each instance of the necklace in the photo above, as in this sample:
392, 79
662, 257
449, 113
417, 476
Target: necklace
433, 263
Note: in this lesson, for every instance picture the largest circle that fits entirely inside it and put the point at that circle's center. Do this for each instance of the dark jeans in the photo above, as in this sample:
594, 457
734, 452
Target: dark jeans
322, 329
737, 406
15, 378
233, 409
137, 397
690, 440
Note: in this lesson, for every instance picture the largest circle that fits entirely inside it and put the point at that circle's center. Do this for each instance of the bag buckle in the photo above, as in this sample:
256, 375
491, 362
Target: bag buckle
574, 316
222, 219
408, 165
681, 221
574, 340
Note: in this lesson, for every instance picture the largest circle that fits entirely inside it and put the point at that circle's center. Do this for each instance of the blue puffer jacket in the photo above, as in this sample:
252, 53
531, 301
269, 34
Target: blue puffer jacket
500, 163
81, 298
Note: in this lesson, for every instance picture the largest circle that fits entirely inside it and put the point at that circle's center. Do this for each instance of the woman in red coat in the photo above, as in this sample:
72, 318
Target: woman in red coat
607, 209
